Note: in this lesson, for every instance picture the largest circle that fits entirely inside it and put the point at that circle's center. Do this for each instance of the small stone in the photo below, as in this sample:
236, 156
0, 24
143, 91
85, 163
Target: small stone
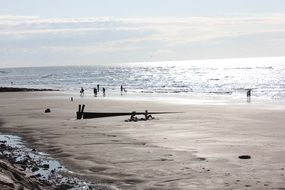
47, 110
45, 166
244, 157
34, 169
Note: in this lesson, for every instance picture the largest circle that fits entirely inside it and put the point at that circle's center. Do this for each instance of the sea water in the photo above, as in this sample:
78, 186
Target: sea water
220, 77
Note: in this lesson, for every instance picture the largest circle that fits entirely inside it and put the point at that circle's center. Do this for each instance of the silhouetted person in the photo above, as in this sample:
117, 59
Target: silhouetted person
122, 89
81, 92
147, 115
133, 116
98, 88
248, 95
104, 91
95, 92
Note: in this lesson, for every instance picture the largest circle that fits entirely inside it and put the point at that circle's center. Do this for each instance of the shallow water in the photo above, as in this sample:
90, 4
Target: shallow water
228, 77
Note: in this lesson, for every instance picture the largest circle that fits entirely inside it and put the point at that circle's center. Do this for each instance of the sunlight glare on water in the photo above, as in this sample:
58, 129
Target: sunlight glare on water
229, 77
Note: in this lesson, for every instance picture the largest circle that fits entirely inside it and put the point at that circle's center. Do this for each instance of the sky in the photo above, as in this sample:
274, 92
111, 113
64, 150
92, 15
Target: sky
110, 32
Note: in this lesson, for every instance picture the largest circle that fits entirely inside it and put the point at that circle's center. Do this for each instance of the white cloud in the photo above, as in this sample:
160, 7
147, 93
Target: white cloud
171, 36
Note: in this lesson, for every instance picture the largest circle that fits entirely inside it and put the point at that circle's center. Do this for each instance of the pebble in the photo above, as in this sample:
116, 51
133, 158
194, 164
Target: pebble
244, 157
47, 110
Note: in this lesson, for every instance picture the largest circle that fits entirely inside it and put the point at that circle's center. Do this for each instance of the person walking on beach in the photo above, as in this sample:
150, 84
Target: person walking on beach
82, 91
248, 95
104, 91
95, 92
98, 88
122, 89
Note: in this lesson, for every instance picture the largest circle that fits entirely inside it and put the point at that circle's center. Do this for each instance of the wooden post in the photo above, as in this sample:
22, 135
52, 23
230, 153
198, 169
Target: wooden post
83, 106
78, 113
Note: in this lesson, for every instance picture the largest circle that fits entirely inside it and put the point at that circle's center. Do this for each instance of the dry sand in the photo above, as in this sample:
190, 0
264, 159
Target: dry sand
197, 149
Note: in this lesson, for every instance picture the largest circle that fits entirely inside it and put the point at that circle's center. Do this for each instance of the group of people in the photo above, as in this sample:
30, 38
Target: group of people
123, 90
147, 116
97, 89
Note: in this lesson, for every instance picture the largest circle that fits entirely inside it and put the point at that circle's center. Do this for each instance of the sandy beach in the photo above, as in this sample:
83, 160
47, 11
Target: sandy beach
196, 149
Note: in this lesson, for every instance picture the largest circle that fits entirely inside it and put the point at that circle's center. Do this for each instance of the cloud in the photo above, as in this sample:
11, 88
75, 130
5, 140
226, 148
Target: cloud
141, 39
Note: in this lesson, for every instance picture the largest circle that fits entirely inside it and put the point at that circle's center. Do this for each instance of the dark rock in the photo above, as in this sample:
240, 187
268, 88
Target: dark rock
14, 89
244, 157
45, 166
47, 110
63, 187
34, 169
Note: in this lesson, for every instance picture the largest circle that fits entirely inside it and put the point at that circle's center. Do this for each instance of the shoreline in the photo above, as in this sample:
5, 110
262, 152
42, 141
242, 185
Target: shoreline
23, 167
175, 151
179, 98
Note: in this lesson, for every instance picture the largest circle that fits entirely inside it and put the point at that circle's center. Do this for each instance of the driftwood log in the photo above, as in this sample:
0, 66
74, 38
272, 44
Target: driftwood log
80, 114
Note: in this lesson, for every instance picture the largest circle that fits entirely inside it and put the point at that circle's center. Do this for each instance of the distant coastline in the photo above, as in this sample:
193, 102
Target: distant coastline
15, 89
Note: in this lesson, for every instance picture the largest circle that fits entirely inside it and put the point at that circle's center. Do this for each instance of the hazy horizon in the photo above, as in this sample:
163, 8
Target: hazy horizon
53, 33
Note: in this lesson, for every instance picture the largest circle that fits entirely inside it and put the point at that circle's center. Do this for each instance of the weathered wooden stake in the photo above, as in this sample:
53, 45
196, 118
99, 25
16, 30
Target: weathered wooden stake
79, 113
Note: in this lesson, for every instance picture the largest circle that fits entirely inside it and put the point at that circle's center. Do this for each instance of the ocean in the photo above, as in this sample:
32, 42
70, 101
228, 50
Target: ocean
202, 78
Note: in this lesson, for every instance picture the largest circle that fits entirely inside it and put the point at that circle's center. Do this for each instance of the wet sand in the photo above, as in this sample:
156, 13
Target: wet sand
196, 149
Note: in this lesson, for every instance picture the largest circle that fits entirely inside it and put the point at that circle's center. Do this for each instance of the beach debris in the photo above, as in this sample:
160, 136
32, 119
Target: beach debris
80, 114
244, 157
47, 110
